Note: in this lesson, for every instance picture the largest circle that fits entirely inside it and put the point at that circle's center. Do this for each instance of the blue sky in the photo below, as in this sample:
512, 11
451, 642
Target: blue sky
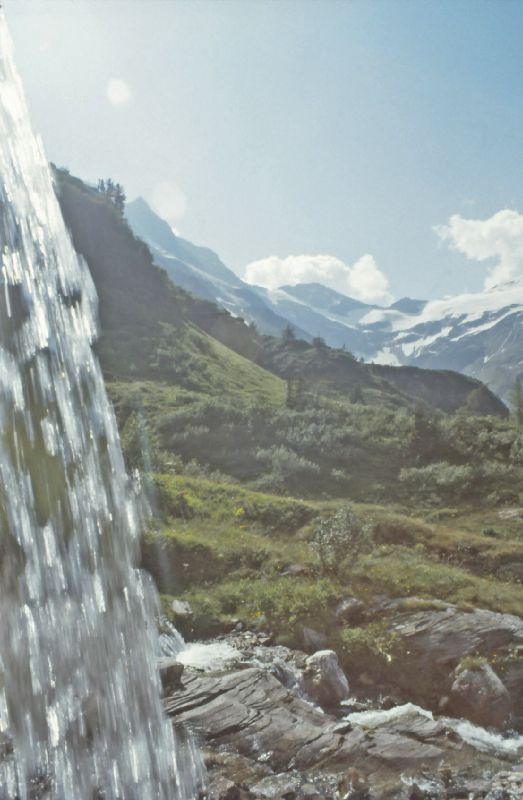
291, 127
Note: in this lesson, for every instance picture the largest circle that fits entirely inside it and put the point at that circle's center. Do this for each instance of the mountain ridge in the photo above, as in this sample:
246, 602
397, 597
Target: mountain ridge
479, 334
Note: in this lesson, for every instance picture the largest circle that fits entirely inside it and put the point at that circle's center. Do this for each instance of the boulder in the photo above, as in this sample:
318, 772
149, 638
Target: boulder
313, 640
479, 695
350, 610
223, 789
324, 680
434, 642
294, 569
171, 672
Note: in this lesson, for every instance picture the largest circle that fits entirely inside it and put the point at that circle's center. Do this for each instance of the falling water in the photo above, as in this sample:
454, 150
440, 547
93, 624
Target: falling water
80, 713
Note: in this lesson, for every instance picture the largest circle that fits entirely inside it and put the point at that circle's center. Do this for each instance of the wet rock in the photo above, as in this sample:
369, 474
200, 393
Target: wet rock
278, 787
506, 786
313, 640
479, 695
223, 789
353, 785
324, 679
308, 791
171, 672
256, 729
350, 611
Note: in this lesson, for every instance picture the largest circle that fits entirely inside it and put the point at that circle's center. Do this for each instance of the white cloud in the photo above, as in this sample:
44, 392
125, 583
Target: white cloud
362, 280
118, 93
498, 238
169, 201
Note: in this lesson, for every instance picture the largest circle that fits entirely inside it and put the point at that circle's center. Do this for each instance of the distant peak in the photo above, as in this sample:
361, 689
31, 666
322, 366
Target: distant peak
408, 305
139, 202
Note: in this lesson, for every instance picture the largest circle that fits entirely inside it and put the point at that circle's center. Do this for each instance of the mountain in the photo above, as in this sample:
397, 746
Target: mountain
310, 310
337, 306
151, 330
154, 329
201, 272
479, 334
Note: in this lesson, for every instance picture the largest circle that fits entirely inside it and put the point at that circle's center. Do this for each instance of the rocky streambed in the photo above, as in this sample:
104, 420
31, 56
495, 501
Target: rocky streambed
280, 723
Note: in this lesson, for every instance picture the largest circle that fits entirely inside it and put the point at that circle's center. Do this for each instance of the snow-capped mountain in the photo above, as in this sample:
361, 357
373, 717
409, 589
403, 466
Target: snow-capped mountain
201, 271
311, 309
480, 334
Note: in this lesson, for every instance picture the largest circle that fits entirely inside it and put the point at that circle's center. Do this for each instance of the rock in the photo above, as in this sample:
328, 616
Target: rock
324, 680
256, 729
479, 695
511, 513
223, 789
435, 641
313, 640
389, 702
353, 785
278, 787
343, 727
171, 672
308, 791
182, 609
350, 610
294, 569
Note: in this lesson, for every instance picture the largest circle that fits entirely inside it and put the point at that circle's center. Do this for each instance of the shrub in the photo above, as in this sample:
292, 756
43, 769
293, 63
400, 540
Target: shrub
440, 481
339, 540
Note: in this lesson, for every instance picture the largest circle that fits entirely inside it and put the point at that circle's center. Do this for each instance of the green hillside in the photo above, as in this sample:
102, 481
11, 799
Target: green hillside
155, 330
146, 327
196, 389
223, 423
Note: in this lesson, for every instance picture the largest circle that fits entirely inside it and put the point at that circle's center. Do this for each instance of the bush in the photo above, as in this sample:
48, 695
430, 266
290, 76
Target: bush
372, 649
440, 481
339, 540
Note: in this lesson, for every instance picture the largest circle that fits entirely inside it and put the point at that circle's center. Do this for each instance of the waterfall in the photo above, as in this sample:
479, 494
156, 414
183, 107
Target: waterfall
80, 709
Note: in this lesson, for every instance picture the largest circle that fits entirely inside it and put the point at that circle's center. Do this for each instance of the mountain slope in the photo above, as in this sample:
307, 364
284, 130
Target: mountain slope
200, 271
154, 330
338, 374
148, 328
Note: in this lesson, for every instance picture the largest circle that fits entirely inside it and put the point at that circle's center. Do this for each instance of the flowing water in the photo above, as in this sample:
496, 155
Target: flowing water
487, 741
80, 711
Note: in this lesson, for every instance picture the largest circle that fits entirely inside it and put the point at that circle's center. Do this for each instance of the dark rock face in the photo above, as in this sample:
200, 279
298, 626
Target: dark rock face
350, 610
447, 635
313, 640
435, 641
480, 696
171, 672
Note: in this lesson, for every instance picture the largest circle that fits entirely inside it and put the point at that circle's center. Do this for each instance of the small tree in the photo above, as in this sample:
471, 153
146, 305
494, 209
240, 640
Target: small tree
340, 540
114, 192
295, 392
288, 334
516, 401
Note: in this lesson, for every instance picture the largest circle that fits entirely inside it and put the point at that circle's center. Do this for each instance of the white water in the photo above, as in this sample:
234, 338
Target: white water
79, 692
205, 656
474, 735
